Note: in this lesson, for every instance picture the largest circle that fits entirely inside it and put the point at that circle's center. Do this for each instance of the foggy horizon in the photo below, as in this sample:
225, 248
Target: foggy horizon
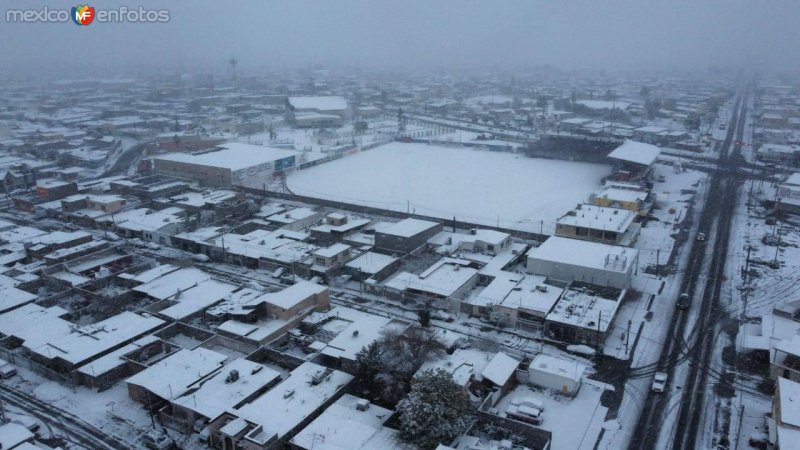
620, 35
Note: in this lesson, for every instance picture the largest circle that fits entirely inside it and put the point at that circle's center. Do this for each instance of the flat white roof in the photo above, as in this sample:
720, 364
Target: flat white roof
636, 152
359, 334
371, 262
557, 366
408, 227
584, 310
598, 218
285, 406
35, 325
333, 250
234, 156
173, 376
623, 195
581, 253
343, 426
500, 369
443, 278
197, 298
294, 294
171, 283
216, 395
789, 398
322, 103
87, 341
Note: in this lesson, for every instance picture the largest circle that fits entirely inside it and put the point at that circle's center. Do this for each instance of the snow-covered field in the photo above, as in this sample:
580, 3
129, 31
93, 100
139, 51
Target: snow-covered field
472, 185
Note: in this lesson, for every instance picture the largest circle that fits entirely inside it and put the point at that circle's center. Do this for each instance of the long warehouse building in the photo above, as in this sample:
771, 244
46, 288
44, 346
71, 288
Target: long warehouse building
233, 164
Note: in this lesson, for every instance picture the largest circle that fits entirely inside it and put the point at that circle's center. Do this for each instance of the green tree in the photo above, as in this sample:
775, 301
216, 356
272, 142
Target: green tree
435, 411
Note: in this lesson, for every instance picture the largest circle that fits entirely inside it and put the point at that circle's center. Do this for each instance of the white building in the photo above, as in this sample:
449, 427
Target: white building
595, 263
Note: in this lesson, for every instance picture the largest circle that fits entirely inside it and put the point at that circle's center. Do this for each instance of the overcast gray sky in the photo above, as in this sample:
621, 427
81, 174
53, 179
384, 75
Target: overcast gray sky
409, 33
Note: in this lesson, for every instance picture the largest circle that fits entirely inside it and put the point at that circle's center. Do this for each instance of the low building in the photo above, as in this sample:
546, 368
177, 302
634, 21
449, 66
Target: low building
350, 423
599, 224
233, 164
173, 377
784, 425
405, 236
635, 199
371, 265
275, 417
788, 195
581, 316
555, 373
336, 227
449, 278
775, 339
593, 263
633, 162
517, 300
237, 383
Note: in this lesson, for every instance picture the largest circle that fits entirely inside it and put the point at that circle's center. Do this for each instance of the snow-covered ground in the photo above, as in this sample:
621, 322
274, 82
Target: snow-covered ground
575, 422
484, 187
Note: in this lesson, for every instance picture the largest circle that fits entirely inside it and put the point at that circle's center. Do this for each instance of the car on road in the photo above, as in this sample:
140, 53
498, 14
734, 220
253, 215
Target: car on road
701, 237
659, 382
683, 301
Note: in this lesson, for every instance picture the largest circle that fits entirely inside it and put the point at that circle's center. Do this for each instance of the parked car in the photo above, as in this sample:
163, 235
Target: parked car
7, 370
157, 441
531, 402
683, 301
659, 382
525, 414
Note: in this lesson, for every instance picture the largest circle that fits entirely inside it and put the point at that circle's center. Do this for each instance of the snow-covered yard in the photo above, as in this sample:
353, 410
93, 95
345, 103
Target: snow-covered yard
472, 185
575, 422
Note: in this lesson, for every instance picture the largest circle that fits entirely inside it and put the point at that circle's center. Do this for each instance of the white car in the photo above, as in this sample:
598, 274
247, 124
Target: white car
659, 382
157, 441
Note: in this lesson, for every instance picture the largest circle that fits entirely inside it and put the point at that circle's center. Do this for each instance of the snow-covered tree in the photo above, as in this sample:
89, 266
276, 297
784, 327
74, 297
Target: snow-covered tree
435, 411
387, 365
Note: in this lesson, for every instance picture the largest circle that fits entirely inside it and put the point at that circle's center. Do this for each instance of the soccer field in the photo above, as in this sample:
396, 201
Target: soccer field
472, 185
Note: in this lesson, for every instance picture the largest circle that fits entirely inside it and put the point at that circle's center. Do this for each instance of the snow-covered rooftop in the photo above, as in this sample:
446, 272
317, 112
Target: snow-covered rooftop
598, 218
444, 278
171, 377
581, 253
84, 342
343, 426
216, 395
285, 406
636, 152
233, 156
360, 333
409, 227
328, 103
371, 262
294, 294
500, 369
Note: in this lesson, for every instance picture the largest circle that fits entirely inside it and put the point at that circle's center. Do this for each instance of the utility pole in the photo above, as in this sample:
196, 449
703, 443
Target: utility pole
599, 321
628, 336
658, 257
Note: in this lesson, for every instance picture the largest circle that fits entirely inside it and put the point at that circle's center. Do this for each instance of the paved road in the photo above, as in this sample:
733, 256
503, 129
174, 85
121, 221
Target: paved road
715, 221
74, 429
